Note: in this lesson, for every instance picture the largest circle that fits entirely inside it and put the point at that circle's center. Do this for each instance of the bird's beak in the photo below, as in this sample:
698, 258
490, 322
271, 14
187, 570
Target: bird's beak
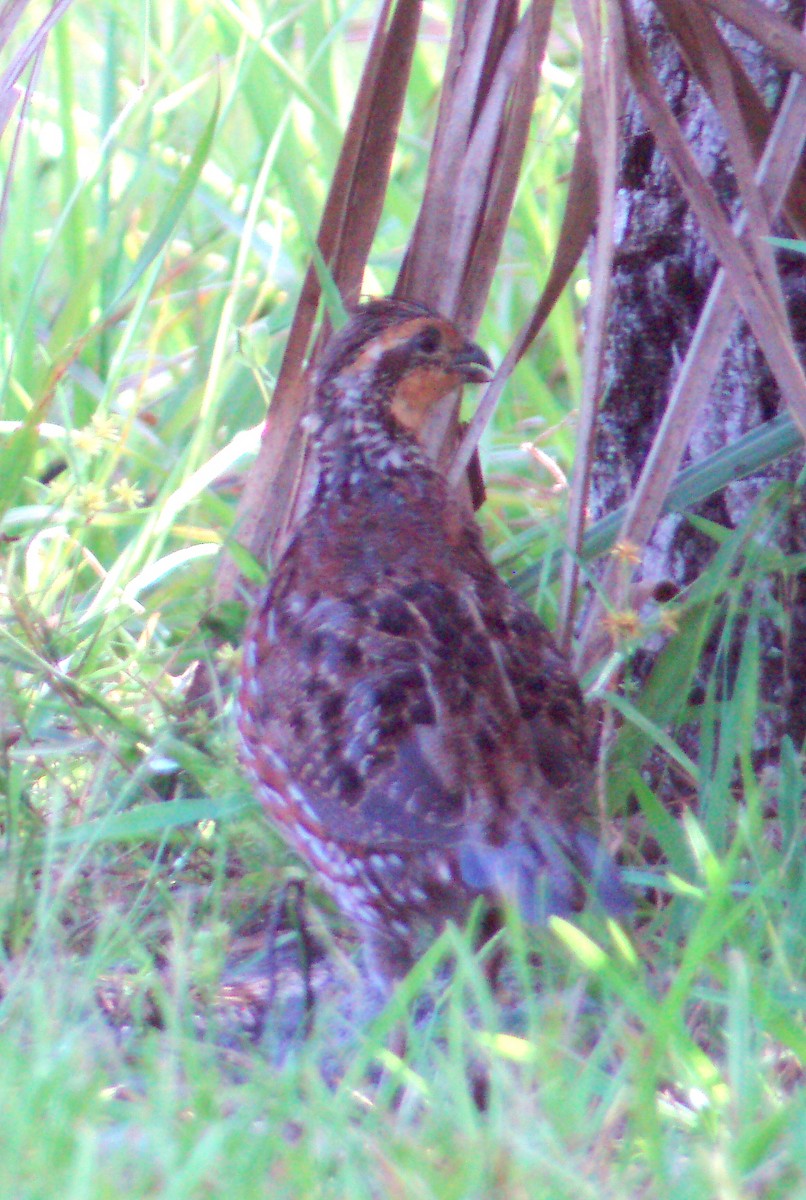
473, 364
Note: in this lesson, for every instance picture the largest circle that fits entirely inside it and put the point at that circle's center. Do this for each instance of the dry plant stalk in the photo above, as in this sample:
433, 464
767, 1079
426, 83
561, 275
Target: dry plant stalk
701, 44
747, 278
765, 26
578, 224
602, 71
742, 260
491, 81
345, 234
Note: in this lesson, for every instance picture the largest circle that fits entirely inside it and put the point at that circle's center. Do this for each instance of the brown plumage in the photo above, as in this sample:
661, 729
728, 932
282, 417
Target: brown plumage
411, 726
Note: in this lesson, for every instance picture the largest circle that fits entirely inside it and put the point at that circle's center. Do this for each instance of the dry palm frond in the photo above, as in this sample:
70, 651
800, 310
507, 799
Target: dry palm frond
345, 235
603, 69
491, 80
769, 178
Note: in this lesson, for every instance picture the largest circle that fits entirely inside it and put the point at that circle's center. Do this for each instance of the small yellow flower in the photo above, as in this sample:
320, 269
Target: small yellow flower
626, 552
228, 657
87, 441
669, 620
106, 426
91, 499
127, 494
199, 723
624, 625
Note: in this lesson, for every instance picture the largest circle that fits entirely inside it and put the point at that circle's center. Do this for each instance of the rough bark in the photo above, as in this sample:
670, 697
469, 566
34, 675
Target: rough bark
662, 272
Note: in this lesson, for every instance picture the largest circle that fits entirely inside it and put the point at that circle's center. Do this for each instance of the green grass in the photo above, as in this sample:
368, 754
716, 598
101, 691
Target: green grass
164, 194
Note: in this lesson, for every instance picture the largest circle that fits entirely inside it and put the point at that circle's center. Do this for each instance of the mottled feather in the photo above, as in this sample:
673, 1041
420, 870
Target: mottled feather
412, 726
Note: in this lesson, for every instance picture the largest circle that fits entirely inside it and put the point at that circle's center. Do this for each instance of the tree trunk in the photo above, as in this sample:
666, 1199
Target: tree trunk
662, 272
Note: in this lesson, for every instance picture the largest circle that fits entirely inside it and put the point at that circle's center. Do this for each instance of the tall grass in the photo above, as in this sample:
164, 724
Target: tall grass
165, 187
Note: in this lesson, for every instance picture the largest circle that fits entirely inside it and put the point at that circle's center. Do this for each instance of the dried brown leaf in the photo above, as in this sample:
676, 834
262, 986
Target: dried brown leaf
335, 205
700, 41
477, 35
785, 43
504, 181
762, 312
601, 87
491, 82
371, 175
472, 187
348, 224
698, 371
577, 226
720, 82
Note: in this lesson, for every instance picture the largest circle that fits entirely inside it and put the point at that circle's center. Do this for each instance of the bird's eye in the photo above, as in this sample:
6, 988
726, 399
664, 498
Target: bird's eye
428, 340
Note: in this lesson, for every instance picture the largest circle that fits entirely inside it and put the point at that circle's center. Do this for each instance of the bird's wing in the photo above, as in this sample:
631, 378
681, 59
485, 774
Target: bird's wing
388, 712
533, 846
546, 692
429, 713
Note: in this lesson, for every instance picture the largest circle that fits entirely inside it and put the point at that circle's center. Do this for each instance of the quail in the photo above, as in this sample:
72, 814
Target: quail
410, 725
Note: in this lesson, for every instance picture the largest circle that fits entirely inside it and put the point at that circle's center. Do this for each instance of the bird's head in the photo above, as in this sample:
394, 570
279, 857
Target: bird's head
400, 359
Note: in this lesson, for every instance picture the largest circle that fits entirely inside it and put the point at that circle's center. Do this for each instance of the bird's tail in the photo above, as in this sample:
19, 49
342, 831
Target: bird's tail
547, 872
